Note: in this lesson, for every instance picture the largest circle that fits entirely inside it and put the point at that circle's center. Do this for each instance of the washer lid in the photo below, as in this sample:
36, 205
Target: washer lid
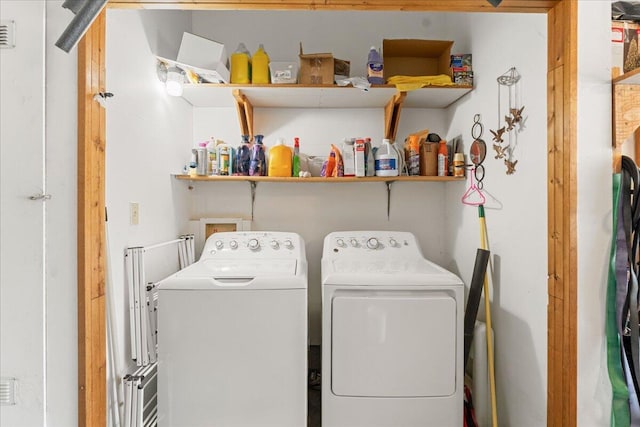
239, 274
385, 272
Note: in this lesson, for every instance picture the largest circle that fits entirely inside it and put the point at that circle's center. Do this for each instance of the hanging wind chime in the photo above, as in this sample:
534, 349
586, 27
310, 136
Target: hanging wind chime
513, 120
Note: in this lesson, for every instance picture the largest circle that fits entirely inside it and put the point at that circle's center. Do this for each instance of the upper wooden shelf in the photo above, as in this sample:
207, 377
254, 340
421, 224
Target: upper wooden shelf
319, 179
626, 113
321, 96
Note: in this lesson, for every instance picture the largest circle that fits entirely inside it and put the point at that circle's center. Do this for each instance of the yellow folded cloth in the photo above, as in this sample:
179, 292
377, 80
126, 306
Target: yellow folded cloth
407, 83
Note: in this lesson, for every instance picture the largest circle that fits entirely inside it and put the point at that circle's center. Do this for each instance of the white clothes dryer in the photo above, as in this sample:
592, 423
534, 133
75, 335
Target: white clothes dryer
232, 335
392, 334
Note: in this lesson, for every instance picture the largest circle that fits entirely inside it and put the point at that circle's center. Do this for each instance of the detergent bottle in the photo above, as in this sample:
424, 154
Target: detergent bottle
260, 66
386, 160
241, 65
374, 67
280, 159
258, 166
243, 157
443, 158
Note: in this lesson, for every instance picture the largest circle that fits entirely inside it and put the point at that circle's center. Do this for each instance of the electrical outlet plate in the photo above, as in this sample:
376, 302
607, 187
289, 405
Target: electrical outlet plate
134, 213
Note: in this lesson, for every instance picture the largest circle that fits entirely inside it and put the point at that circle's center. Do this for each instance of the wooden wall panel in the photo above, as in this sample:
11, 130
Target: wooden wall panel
562, 201
92, 389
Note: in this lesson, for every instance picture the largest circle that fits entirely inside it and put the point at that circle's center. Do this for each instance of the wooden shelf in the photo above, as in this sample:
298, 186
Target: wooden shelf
630, 78
320, 96
319, 179
247, 97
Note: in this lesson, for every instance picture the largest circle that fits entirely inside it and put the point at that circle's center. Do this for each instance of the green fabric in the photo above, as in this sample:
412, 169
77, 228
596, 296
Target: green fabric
620, 416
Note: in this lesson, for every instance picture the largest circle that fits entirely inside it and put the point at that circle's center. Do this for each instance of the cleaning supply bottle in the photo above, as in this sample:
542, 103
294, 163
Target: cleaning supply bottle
258, 166
225, 159
296, 157
280, 159
443, 158
260, 66
375, 67
331, 165
241, 65
243, 157
202, 158
386, 159
369, 152
213, 157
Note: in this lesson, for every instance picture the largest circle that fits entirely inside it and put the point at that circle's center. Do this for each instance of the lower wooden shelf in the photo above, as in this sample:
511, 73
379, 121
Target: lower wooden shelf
318, 179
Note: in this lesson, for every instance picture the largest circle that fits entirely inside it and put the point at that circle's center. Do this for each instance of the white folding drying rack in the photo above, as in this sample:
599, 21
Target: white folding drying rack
143, 297
141, 397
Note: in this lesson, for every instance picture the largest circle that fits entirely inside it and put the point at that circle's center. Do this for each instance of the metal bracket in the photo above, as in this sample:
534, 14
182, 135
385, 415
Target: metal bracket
40, 196
388, 198
253, 185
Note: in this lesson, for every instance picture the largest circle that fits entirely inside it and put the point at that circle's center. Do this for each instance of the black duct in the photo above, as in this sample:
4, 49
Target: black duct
80, 23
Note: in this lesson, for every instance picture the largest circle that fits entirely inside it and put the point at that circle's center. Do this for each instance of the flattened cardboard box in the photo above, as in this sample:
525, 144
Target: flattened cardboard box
315, 68
413, 57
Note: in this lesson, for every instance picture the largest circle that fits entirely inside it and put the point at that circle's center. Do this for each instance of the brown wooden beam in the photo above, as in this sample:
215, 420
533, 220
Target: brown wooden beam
562, 213
92, 376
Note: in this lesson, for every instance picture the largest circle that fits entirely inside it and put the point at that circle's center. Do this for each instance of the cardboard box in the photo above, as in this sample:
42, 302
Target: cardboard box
412, 57
625, 54
341, 68
283, 72
316, 68
205, 57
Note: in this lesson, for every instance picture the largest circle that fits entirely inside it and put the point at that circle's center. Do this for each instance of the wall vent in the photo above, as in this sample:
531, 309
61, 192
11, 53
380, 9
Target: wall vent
7, 34
7, 391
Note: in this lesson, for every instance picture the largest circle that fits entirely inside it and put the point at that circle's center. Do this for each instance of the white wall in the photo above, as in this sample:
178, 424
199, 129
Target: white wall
148, 134
517, 218
594, 209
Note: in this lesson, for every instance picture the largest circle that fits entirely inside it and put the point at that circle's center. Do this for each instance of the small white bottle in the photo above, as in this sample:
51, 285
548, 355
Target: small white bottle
359, 160
348, 157
386, 160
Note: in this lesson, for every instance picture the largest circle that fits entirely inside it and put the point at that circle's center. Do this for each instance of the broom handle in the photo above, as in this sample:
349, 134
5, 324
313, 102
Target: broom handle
487, 309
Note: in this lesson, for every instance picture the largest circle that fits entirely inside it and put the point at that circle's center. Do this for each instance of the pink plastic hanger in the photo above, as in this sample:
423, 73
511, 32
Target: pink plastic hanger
468, 196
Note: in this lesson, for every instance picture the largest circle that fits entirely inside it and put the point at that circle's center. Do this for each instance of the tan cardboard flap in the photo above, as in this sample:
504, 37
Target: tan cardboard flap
413, 57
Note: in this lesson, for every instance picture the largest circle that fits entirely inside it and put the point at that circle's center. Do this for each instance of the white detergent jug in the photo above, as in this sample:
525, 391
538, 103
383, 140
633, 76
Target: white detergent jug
386, 159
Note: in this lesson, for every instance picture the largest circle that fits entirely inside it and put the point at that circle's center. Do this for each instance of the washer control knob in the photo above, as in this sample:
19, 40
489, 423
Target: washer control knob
219, 244
372, 243
340, 243
233, 244
393, 242
274, 244
254, 244
288, 244
354, 243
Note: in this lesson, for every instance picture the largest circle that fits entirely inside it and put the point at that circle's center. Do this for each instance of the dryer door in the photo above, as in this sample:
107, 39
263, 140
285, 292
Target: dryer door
393, 344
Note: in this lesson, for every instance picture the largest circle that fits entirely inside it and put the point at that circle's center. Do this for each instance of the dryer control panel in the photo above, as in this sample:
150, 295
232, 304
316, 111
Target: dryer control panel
254, 243
388, 243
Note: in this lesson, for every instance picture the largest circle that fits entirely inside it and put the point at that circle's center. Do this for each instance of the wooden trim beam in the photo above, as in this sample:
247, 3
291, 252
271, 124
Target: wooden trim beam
562, 238
392, 115
245, 113
512, 6
92, 374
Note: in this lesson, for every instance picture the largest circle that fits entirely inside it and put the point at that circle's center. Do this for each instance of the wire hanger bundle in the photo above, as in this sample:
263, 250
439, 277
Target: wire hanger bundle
513, 120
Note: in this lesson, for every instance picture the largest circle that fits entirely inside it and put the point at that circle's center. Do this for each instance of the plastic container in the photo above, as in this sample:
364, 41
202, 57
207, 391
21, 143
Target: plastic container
458, 164
296, 157
375, 73
260, 66
241, 65
443, 158
225, 159
212, 155
243, 157
348, 157
202, 159
280, 160
386, 160
258, 166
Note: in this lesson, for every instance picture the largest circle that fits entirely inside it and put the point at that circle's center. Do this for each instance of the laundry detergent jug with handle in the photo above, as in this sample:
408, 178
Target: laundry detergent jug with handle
280, 159
386, 159
241, 65
260, 67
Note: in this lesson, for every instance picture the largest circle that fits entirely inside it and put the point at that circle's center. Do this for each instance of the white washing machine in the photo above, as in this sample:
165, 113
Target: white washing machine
232, 335
392, 334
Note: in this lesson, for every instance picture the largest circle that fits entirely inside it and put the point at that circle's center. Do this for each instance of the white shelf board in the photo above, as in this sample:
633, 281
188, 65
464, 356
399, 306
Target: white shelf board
296, 96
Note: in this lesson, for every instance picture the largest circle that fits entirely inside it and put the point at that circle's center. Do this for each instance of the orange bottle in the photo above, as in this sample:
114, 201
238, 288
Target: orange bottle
443, 159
